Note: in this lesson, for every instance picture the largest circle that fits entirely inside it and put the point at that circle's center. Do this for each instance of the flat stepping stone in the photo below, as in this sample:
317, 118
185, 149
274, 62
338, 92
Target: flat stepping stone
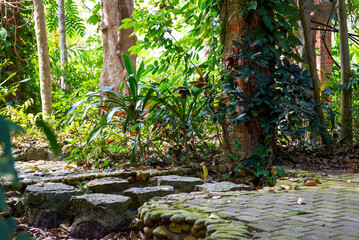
141, 195
223, 187
107, 185
47, 204
180, 183
97, 215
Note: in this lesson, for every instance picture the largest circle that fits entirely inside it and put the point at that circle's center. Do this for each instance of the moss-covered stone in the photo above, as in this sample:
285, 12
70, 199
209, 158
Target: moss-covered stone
193, 218
148, 231
155, 215
147, 220
178, 218
199, 224
166, 217
140, 224
176, 228
215, 221
190, 238
186, 228
198, 233
160, 231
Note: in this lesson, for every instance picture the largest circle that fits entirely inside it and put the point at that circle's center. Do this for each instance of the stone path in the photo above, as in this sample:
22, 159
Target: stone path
330, 210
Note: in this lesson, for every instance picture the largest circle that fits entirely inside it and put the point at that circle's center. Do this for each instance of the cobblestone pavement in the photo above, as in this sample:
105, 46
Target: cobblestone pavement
330, 210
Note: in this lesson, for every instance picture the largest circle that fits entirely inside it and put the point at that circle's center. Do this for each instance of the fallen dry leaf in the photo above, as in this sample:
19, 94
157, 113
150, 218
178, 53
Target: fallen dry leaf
141, 177
310, 183
286, 187
216, 197
300, 201
294, 179
71, 166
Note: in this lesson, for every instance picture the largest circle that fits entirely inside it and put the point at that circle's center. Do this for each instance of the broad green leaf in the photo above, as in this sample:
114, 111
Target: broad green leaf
280, 171
50, 136
128, 64
252, 5
294, 40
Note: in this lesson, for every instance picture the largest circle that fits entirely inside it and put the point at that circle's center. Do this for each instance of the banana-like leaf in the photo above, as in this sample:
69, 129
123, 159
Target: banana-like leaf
134, 150
133, 88
128, 64
50, 136
112, 112
140, 71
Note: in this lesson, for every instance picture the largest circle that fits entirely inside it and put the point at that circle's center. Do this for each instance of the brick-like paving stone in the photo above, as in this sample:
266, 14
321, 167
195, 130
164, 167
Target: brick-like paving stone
331, 211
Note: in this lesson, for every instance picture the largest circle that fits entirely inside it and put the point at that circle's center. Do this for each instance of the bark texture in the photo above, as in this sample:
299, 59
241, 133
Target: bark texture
346, 99
43, 54
62, 43
312, 66
116, 42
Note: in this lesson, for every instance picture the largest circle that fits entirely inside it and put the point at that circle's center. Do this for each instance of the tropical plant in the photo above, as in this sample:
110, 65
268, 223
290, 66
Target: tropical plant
132, 107
74, 23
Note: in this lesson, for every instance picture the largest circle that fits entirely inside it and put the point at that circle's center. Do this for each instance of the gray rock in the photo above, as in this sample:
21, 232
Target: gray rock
47, 204
109, 185
99, 214
223, 187
34, 153
141, 195
52, 156
66, 151
17, 154
181, 184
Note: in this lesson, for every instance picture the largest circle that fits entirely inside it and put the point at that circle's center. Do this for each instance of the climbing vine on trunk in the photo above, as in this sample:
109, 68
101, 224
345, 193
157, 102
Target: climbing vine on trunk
265, 91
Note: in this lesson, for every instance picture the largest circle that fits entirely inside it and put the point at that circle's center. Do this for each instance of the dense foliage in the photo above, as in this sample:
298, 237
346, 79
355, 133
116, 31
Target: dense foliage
186, 92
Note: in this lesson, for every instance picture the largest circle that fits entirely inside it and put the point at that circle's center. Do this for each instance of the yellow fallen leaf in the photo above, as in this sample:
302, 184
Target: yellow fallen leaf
348, 181
205, 170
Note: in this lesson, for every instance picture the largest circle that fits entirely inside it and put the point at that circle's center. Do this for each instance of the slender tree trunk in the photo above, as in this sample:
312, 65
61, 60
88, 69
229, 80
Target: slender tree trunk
346, 101
312, 67
116, 42
44, 62
62, 44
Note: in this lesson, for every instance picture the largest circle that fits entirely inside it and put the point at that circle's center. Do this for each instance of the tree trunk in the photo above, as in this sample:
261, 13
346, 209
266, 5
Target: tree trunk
346, 101
62, 43
44, 62
116, 42
312, 67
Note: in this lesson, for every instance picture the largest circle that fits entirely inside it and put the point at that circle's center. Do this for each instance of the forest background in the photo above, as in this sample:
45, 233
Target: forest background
188, 91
